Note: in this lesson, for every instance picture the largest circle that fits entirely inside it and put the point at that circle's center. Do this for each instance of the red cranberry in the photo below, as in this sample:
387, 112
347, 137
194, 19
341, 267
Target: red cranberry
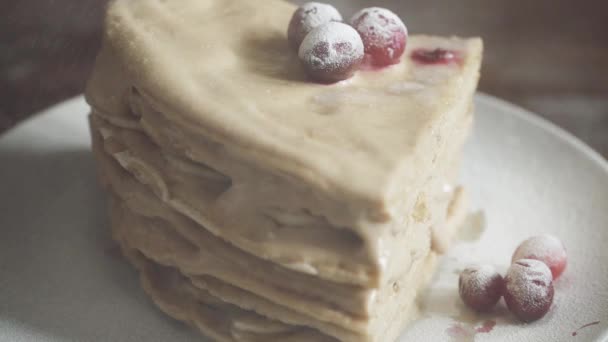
434, 56
332, 52
546, 248
384, 35
529, 289
306, 18
480, 287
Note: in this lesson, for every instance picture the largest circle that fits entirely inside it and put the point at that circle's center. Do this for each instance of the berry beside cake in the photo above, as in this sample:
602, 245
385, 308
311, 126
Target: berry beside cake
278, 173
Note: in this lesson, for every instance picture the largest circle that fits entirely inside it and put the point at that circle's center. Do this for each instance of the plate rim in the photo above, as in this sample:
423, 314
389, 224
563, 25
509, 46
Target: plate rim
542, 123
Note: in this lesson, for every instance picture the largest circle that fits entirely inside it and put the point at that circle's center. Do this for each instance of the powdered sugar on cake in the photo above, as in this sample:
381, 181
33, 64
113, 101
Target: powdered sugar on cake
480, 287
378, 26
316, 14
333, 34
309, 16
530, 278
331, 46
379, 23
478, 277
546, 248
529, 289
543, 245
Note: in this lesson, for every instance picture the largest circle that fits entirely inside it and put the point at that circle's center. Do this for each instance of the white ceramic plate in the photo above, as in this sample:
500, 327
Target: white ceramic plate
60, 280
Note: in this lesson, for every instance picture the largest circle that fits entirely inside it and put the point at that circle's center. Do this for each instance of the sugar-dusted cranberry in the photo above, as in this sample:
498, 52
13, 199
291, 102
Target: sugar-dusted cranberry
332, 52
480, 287
383, 33
529, 289
307, 17
546, 248
435, 56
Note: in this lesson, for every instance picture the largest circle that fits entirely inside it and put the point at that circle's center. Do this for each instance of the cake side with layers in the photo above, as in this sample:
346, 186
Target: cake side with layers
295, 210
129, 103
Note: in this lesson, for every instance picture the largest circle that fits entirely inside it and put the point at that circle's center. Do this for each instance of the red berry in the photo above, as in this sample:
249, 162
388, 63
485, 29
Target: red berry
529, 289
480, 287
306, 18
546, 248
332, 52
383, 33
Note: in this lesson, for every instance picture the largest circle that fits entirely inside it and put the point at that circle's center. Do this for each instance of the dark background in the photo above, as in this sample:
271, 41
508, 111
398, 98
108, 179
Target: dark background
550, 56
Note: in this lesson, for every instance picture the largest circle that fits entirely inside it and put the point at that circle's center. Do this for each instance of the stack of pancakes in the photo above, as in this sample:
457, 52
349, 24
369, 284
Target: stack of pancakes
259, 206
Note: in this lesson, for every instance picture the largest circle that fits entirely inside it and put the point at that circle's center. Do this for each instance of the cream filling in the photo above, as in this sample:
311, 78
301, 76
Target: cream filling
177, 297
175, 240
184, 247
270, 236
297, 239
397, 309
431, 156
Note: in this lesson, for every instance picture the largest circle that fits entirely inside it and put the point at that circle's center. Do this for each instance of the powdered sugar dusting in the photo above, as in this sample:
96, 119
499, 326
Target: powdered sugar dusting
546, 248
477, 278
540, 245
529, 289
377, 24
331, 47
308, 17
480, 287
384, 35
528, 278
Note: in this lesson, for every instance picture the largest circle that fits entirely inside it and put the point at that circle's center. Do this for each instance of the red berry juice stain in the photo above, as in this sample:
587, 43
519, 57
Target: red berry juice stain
436, 56
460, 333
575, 332
466, 332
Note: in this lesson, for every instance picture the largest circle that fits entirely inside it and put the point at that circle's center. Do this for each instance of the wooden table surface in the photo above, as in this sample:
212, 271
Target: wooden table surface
549, 56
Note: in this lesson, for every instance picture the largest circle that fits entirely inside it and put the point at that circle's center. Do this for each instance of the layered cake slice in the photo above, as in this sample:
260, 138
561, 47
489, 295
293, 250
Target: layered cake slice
245, 187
